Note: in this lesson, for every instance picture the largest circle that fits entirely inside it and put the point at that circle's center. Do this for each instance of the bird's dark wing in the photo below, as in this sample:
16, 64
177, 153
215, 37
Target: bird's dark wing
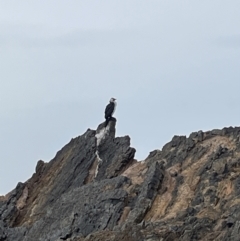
109, 110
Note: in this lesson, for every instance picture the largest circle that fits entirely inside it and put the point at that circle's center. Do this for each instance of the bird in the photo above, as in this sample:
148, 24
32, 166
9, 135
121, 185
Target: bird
109, 110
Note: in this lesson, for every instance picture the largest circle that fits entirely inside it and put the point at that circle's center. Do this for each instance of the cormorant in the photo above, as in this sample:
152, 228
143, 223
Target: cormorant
110, 109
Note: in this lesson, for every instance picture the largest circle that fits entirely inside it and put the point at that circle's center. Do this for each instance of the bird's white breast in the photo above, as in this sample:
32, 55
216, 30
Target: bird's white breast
115, 105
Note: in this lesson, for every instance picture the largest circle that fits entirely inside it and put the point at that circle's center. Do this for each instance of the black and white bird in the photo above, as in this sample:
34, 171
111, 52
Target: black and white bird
110, 109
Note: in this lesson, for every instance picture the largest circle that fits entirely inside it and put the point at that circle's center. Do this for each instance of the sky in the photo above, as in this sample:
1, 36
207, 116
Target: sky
173, 66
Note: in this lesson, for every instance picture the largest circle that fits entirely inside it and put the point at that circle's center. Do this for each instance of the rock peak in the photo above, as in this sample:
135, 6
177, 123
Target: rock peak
94, 189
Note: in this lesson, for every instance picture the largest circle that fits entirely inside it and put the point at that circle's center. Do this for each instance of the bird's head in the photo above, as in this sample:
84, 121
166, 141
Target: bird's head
112, 100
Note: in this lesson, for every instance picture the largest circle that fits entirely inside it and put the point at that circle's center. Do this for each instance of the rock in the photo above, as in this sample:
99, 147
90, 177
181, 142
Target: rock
94, 190
3, 234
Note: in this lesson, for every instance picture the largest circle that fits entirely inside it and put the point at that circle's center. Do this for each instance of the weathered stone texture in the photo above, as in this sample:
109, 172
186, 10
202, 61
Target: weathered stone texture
94, 190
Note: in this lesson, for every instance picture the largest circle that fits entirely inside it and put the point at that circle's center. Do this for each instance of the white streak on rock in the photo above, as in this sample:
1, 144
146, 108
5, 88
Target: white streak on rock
100, 136
99, 162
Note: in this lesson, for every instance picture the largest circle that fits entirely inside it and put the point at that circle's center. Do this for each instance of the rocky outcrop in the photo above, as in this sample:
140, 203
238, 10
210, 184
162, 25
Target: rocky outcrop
94, 189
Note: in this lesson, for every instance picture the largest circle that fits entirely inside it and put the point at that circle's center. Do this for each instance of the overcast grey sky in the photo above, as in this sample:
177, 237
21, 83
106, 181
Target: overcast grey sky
172, 65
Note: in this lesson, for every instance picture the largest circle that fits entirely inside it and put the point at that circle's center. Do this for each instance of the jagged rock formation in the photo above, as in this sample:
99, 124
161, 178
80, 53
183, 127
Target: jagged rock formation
94, 190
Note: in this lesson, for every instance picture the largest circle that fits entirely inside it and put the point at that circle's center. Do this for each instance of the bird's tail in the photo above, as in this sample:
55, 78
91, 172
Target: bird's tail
106, 122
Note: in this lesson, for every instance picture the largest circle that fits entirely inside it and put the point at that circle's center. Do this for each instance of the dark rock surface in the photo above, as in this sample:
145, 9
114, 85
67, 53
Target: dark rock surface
94, 190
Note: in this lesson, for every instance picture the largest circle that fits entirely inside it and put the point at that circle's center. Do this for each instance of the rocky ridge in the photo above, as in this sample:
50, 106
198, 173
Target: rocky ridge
94, 189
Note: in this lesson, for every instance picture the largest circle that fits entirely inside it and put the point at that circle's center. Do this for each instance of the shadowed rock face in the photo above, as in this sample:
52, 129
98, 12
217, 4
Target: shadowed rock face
94, 190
